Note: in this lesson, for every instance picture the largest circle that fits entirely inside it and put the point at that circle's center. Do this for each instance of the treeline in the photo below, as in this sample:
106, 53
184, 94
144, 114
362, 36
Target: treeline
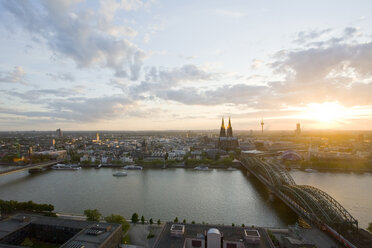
348, 164
221, 162
8, 207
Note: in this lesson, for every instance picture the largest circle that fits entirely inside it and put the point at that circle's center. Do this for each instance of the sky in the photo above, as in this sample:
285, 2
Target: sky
183, 65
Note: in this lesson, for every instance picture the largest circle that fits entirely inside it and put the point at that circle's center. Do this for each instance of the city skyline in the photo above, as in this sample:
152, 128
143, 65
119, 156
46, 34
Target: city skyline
161, 65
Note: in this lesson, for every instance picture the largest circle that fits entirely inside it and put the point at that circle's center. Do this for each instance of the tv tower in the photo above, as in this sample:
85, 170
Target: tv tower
262, 125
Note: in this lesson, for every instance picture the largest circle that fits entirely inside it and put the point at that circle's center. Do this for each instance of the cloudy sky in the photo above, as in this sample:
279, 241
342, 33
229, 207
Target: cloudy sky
154, 65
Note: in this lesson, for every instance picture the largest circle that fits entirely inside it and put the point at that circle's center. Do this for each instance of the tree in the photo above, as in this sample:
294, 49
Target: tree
184, 221
369, 228
118, 219
193, 222
92, 214
159, 222
143, 219
232, 224
176, 220
151, 221
243, 225
134, 218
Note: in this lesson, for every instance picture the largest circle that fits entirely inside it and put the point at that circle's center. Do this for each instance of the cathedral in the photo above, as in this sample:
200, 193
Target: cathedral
226, 140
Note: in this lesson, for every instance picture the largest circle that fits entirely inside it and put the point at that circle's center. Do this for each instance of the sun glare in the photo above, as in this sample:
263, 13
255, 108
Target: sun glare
327, 112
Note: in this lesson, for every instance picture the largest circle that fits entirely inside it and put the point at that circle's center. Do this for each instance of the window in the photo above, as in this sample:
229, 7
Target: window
196, 243
231, 245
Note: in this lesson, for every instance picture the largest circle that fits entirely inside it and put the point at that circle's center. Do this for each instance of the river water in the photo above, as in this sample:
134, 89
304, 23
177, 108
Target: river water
215, 196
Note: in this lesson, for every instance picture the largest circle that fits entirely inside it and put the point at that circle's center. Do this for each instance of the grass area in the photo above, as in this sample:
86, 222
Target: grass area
126, 239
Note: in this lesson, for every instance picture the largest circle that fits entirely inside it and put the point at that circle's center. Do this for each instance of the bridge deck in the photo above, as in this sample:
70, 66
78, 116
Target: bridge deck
29, 166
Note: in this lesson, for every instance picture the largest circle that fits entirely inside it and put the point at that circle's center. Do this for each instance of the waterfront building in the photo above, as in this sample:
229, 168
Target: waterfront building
226, 140
65, 233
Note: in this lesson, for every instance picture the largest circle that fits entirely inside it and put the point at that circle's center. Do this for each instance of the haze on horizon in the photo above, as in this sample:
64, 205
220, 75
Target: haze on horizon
182, 65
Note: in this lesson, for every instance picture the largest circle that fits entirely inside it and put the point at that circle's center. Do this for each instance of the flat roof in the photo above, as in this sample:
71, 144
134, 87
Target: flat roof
229, 233
18, 221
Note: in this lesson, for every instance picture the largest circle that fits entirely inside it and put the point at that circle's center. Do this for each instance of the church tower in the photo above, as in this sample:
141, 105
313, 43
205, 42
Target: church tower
223, 129
229, 129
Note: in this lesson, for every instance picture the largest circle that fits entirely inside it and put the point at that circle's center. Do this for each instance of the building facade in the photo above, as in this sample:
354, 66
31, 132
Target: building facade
227, 141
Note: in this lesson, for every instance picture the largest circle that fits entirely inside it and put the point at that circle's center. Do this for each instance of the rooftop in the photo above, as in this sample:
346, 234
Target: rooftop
83, 233
229, 233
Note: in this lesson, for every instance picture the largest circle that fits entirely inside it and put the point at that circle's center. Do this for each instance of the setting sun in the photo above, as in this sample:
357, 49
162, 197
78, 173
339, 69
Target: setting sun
326, 113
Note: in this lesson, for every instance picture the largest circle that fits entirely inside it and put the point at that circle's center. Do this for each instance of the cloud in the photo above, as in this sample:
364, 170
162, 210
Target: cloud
15, 76
235, 94
61, 76
337, 71
86, 37
305, 36
80, 109
256, 63
175, 75
162, 78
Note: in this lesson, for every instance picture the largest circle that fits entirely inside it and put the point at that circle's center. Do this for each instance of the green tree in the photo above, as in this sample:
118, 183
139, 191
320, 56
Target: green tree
142, 219
159, 222
369, 228
150, 235
176, 220
232, 224
134, 218
184, 221
193, 222
243, 225
118, 219
151, 221
27, 242
92, 214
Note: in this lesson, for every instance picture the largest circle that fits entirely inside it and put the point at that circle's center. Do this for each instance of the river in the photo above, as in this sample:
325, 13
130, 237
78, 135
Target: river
216, 196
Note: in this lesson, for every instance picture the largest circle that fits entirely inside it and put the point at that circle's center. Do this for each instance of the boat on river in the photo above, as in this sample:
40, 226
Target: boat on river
202, 168
133, 167
120, 174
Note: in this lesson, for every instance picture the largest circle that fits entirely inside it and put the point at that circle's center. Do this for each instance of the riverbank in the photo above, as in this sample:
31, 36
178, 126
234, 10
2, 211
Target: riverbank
329, 169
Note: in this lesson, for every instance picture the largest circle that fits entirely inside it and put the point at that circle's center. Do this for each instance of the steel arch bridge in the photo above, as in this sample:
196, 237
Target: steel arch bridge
312, 202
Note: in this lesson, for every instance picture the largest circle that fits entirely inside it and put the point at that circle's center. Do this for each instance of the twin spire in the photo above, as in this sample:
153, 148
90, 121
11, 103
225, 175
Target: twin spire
223, 129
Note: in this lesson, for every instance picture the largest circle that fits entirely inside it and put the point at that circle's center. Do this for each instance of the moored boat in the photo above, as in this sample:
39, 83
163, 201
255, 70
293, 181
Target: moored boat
133, 167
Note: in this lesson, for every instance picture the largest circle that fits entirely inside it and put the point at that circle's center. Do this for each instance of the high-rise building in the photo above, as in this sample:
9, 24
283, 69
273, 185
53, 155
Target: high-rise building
59, 133
97, 137
298, 129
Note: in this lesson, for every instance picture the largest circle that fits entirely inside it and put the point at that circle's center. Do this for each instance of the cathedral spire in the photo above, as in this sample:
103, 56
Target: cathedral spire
223, 129
229, 129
